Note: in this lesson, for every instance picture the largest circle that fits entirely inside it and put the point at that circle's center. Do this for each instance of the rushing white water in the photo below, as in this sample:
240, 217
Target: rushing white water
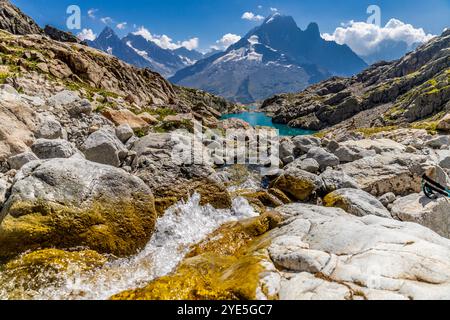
183, 225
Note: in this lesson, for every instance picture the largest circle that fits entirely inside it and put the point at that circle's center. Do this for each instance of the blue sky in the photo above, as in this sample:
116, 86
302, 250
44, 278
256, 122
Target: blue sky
209, 20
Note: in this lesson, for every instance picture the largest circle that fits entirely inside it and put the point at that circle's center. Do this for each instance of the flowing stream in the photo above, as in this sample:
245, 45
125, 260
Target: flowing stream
183, 225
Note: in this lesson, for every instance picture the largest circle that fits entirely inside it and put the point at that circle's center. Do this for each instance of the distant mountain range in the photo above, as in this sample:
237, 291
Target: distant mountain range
137, 50
273, 58
276, 57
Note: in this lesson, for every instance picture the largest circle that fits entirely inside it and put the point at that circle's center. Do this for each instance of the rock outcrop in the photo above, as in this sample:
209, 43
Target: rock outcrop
410, 89
14, 21
68, 203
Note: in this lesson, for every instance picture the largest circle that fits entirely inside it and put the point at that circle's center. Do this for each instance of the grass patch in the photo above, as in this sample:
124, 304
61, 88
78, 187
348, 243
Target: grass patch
368, 132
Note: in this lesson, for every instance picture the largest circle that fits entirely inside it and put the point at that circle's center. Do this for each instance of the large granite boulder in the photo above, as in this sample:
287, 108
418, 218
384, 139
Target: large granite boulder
433, 214
104, 147
171, 180
389, 172
67, 203
356, 202
325, 253
297, 183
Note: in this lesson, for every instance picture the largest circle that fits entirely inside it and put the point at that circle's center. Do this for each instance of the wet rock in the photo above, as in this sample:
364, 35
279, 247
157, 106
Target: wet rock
433, 214
104, 147
69, 203
18, 161
356, 202
50, 149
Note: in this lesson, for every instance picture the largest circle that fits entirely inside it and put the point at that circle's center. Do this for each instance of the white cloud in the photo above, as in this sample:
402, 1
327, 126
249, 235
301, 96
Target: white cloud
122, 25
87, 34
106, 20
165, 41
274, 9
91, 13
364, 38
252, 17
260, 7
226, 41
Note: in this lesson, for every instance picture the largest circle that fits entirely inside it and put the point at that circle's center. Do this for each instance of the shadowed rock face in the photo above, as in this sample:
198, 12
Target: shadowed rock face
413, 88
14, 21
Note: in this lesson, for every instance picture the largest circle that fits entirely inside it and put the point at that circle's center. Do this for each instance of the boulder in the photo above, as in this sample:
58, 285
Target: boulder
323, 157
443, 158
444, 123
352, 153
50, 128
172, 178
334, 180
309, 165
4, 186
368, 257
297, 183
433, 214
80, 108
389, 172
50, 149
287, 148
387, 199
438, 142
124, 132
70, 203
104, 147
120, 117
377, 145
18, 122
304, 143
356, 202
18, 161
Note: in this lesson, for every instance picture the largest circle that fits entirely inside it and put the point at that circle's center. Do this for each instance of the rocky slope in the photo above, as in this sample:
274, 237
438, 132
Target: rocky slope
272, 58
14, 21
413, 88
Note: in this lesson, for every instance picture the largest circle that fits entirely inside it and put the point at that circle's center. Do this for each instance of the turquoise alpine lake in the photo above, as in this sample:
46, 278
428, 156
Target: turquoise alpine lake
260, 119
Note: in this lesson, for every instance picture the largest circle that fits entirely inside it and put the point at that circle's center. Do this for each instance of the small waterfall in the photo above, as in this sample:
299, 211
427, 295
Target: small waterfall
183, 225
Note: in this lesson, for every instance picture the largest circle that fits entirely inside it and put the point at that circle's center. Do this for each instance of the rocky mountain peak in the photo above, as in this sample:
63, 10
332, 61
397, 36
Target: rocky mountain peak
313, 29
16, 22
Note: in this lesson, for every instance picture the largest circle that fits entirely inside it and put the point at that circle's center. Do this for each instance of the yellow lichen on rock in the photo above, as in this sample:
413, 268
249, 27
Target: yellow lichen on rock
299, 188
335, 200
33, 271
225, 266
115, 227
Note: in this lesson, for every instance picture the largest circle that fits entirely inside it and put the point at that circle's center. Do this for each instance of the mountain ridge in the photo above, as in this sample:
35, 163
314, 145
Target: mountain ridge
275, 57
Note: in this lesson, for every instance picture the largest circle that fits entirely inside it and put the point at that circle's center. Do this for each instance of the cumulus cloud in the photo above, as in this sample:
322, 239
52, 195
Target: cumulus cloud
87, 34
91, 13
365, 39
122, 25
106, 20
165, 41
252, 17
226, 41
274, 9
